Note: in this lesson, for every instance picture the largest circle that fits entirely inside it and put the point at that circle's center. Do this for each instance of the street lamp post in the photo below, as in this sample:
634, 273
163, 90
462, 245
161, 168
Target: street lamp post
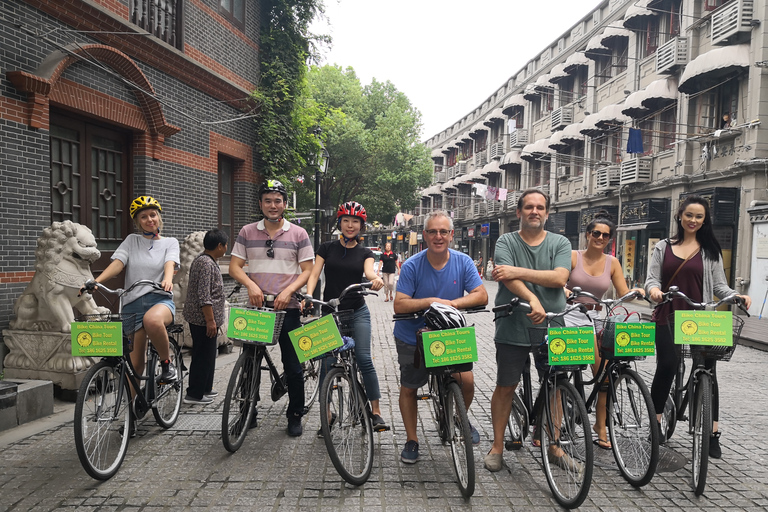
321, 165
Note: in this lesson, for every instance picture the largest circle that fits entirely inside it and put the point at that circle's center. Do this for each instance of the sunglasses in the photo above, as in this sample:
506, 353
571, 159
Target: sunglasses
600, 234
270, 250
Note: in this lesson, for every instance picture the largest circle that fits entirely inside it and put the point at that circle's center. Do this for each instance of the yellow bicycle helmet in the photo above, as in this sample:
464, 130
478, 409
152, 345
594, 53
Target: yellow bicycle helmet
142, 203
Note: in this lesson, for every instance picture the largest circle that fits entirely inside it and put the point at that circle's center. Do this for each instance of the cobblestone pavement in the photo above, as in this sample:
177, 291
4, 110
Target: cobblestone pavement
186, 467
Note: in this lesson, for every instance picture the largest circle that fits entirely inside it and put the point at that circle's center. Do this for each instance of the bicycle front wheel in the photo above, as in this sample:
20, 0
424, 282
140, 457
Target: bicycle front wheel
311, 371
633, 430
460, 438
102, 421
702, 431
240, 400
346, 426
437, 407
566, 444
167, 403
517, 424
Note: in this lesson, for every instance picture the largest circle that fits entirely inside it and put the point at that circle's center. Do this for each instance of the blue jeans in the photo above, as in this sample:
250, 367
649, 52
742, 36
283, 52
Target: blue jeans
361, 323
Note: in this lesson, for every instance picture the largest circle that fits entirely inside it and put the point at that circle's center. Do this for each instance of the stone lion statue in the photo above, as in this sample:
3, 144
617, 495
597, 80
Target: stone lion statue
63, 260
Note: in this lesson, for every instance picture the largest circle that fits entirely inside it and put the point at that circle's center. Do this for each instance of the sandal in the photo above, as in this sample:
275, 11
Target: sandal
602, 443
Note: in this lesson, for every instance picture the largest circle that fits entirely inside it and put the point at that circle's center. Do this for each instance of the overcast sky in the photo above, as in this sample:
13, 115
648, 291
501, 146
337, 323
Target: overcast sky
447, 56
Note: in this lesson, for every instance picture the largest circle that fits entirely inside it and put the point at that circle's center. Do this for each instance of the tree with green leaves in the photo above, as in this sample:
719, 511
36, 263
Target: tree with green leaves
372, 135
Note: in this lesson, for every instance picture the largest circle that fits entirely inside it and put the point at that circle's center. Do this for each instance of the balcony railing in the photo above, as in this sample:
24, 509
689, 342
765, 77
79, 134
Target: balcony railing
161, 18
518, 138
731, 20
636, 170
672, 54
607, 178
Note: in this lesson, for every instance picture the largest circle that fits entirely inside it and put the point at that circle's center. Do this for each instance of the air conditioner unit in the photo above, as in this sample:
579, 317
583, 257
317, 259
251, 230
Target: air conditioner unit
671, 55
518, 138
561, 117
732, 22
607, 178
635, 170
440, 177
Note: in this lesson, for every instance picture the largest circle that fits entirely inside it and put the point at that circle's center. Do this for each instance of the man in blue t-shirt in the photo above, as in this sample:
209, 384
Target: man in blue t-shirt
438, 274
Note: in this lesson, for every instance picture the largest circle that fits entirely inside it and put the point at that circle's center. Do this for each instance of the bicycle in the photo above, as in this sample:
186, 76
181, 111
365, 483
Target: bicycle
104, 416
558, 413
346, 422
450, 411
243, 390
701, 385
631, 417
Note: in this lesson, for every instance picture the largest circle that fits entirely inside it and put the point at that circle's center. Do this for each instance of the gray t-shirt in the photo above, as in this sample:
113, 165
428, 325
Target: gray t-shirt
145, 259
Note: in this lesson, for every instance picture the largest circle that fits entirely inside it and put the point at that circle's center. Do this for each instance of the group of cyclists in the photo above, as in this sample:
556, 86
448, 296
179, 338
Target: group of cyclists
531, 264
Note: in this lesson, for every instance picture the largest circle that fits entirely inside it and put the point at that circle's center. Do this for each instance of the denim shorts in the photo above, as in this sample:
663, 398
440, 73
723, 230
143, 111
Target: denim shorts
143, 304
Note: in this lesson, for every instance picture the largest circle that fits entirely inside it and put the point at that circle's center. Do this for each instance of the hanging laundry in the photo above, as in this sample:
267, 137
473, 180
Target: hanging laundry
490, 194
635, 141
502, 194
480, 189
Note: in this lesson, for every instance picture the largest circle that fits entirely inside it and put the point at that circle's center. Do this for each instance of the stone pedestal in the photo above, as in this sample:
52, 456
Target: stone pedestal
42, 355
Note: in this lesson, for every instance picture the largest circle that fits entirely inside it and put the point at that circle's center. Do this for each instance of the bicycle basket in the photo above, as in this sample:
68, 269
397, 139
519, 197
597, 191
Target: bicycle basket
719, 353
128, 321
344, 322
279, 318
419, 361
538, 338
605, 331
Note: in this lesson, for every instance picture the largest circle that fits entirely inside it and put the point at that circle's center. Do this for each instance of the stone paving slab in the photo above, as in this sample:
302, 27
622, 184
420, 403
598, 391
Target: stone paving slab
187, 468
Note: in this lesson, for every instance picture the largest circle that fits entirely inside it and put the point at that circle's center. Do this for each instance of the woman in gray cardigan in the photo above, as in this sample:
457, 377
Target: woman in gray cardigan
693, 262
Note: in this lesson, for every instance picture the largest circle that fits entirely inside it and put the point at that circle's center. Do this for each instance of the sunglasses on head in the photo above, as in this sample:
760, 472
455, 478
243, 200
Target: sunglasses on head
600, 234
270, 250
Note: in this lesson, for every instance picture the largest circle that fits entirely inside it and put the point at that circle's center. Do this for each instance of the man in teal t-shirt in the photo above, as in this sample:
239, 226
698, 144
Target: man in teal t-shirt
532, 264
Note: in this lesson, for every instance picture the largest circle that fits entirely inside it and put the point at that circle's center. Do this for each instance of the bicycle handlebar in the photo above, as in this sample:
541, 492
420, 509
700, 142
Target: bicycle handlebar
610, 304
361, 288
91, 285
516, 302
418, 314
675, 293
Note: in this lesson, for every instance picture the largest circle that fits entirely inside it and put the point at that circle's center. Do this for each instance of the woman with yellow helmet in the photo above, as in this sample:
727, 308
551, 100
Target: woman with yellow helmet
147, 255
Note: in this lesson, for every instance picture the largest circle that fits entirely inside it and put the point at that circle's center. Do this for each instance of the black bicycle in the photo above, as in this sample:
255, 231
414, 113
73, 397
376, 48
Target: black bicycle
558, 414
346, 422
104, 418
243, 390
631, 417
698, 390
449, 409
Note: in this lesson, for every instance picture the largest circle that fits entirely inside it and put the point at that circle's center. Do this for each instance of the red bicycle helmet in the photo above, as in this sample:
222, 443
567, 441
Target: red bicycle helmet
352, 209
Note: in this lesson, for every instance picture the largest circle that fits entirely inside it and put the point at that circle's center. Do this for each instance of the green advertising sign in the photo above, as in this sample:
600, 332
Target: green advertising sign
571, 345
316, 338
449, 346
635, 339
704, 328
251, 325
97, 339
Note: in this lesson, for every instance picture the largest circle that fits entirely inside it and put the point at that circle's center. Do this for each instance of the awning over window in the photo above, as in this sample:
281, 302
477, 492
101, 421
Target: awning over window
562, 139
434, 190
513, 103
476, 175
558, 73
461, 180
638, 14
542, 83
437, 153
466, 138
536, 150
477, 128
495, 115
595, 47
709, 69
657, 95
447, 185
608, 118
445, 149
453, 144
530, 92
614, 31
490, 167
511, 158
573, 62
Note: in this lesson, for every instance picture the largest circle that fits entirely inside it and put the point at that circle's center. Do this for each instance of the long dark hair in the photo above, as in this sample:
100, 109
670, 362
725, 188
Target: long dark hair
604, 218
705, 235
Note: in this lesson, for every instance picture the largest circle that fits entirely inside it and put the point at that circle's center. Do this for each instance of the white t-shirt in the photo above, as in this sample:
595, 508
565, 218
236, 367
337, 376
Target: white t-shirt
145, 259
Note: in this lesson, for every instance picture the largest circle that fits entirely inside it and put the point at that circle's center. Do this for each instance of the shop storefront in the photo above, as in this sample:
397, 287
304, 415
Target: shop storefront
566, 224
641, 225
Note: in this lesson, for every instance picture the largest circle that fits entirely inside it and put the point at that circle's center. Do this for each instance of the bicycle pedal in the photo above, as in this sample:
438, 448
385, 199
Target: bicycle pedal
513, 445
423, 397
381, 429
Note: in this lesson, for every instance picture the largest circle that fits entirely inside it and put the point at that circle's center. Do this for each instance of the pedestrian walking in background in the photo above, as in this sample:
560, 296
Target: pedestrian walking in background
489, 269
389, 269
204, 311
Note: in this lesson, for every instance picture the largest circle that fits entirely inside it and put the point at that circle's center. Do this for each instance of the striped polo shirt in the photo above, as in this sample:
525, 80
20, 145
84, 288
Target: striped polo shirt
273, 275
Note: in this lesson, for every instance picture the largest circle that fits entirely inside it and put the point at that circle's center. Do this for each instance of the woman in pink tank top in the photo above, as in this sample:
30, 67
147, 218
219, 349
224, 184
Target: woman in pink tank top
593, 271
